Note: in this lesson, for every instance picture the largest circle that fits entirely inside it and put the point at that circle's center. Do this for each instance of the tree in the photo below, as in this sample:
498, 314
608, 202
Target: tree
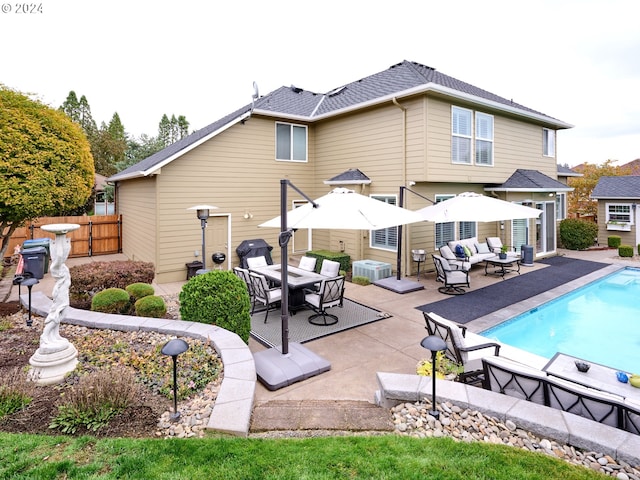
170, 131
579, 201
80, 112
45, 162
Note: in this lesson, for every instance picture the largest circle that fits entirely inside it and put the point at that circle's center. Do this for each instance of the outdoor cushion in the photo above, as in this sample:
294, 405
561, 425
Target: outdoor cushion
482, 248
446, 252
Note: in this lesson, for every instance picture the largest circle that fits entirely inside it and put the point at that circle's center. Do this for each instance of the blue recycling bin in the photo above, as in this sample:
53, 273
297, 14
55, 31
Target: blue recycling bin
40, 242
34, 261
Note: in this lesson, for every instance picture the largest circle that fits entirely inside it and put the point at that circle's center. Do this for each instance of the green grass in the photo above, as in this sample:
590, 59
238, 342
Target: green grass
383, 457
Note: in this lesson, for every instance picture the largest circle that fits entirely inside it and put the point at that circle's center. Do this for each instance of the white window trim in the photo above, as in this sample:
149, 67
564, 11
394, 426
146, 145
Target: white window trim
458, 135
607, 213
306, 142
550, 151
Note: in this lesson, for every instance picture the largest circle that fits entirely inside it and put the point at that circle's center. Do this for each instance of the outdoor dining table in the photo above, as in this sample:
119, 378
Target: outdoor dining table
297, 279
598, 376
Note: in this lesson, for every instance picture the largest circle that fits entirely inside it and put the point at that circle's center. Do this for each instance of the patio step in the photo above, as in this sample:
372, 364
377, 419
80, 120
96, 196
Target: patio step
339, 415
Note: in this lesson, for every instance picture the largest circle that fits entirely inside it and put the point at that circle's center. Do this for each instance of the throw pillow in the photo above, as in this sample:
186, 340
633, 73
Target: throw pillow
482, 248
467, 251
459, 251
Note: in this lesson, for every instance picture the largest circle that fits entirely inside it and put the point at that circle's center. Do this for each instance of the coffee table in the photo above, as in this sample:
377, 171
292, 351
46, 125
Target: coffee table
598, 376
503, 266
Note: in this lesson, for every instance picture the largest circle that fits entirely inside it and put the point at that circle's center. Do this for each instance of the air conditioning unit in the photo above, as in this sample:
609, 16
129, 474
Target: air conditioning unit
371, 269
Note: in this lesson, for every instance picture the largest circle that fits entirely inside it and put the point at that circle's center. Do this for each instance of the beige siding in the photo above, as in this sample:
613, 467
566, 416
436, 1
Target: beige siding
137, 204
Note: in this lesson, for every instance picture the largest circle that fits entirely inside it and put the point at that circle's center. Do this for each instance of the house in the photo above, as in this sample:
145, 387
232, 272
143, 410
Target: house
408, 125
617, 199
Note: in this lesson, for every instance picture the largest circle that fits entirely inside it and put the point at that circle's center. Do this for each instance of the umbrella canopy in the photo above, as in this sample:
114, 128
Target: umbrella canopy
345, 209
473, 207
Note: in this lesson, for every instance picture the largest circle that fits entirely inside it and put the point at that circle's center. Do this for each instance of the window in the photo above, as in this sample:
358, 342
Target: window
291, 142
461, 135
619, 212
548, 142
484, 139
466, 230
561, 206
445, 232
386, 238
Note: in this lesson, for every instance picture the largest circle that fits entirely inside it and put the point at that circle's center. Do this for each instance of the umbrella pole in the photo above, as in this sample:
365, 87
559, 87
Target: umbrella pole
284, 286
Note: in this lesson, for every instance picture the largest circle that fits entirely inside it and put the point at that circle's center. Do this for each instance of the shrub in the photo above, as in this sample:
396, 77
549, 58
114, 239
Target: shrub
220, 298
625, 251
16, 392
111, 300
96, 399
139, 290
91, 278
614, 241
150, 306
359, 280
577, 234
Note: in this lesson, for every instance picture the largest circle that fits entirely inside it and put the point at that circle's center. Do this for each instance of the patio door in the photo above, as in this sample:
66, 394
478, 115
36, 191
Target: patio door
545, 228
217, 238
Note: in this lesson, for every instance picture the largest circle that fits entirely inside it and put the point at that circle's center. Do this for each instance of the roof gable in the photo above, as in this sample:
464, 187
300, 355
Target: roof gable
530, 181
623, 187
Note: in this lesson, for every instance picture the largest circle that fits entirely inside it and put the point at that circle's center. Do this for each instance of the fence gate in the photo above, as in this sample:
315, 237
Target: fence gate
97, 235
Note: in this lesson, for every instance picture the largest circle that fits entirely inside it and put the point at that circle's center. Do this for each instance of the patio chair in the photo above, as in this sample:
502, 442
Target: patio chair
307, 263
256, 262
330, 294
514, 379
631, 416
452, 279
264, 294
587, 402
459, 350
243, 274
495, 245
330, 268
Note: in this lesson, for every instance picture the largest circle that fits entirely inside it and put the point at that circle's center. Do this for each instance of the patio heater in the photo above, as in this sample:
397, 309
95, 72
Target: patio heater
202, 212
434, 344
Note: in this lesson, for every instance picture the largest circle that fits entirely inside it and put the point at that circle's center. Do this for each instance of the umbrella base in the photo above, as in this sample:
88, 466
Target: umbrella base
403, 285
275, 370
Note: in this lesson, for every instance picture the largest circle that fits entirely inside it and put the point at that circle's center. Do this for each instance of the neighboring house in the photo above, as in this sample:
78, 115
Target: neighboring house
102, 204
409, 125
618, 214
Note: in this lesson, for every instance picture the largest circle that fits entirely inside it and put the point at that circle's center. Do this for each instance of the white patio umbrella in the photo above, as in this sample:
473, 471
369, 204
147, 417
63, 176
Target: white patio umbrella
345, 209
473, 207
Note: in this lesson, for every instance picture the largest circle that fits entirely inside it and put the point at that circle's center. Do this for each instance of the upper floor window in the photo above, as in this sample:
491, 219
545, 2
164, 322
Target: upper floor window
462, 137
548, 142
386, 238
484, 139
291, 142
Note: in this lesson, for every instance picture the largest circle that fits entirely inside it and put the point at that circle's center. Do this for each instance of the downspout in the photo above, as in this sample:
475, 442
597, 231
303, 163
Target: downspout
404, 180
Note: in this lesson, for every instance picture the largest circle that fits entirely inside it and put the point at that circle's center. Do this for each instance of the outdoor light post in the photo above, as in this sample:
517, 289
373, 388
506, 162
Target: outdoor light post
29, 282
434, 344
202, 212
174, 348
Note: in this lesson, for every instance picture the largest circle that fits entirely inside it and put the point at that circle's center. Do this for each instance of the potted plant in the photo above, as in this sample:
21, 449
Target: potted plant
445, 368
503, 252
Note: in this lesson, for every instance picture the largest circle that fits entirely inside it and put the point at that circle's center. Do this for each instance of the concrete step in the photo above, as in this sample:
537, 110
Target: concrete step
344, 415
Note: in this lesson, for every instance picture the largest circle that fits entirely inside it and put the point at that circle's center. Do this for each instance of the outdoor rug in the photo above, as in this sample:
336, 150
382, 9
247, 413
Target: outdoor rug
351, 315
481, 302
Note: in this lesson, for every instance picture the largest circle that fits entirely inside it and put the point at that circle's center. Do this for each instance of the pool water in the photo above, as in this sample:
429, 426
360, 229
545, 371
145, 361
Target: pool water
599, 322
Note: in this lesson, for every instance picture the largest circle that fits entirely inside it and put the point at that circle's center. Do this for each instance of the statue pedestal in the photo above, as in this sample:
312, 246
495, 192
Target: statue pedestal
56, 356
49, 367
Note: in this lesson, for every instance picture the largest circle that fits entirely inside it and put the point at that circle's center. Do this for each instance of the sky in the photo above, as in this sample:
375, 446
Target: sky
575, 60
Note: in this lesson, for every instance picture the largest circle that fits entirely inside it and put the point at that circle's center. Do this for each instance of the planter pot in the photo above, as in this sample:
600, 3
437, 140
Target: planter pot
502, 256
621, 227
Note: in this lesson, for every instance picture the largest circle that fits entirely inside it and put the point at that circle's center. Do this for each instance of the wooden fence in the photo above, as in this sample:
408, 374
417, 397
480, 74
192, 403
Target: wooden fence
97, 235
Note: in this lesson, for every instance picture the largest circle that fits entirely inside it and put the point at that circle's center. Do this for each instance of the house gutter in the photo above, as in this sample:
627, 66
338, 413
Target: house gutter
404, 179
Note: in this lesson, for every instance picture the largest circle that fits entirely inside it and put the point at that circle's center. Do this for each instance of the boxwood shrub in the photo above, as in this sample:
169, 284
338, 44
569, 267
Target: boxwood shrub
139, 290
150, 306
577, 234
219, 298
625, 251
614, 241
111, 300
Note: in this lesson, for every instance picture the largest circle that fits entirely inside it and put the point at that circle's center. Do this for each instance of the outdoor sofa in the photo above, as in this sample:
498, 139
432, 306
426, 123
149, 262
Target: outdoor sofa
475, 252
526, 383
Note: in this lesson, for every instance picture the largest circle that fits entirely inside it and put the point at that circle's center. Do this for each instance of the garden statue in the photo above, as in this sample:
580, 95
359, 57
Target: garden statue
56, 356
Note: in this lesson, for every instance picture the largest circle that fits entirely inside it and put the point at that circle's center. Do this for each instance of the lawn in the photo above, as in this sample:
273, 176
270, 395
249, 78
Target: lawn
378, 457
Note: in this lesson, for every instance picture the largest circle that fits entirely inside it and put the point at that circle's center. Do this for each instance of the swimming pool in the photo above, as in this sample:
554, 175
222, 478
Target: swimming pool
599, 322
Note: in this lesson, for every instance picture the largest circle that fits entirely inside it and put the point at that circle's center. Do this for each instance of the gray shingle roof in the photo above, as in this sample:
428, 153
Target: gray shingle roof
567, 172
624, 187
530, 181
352, 176
295, 103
